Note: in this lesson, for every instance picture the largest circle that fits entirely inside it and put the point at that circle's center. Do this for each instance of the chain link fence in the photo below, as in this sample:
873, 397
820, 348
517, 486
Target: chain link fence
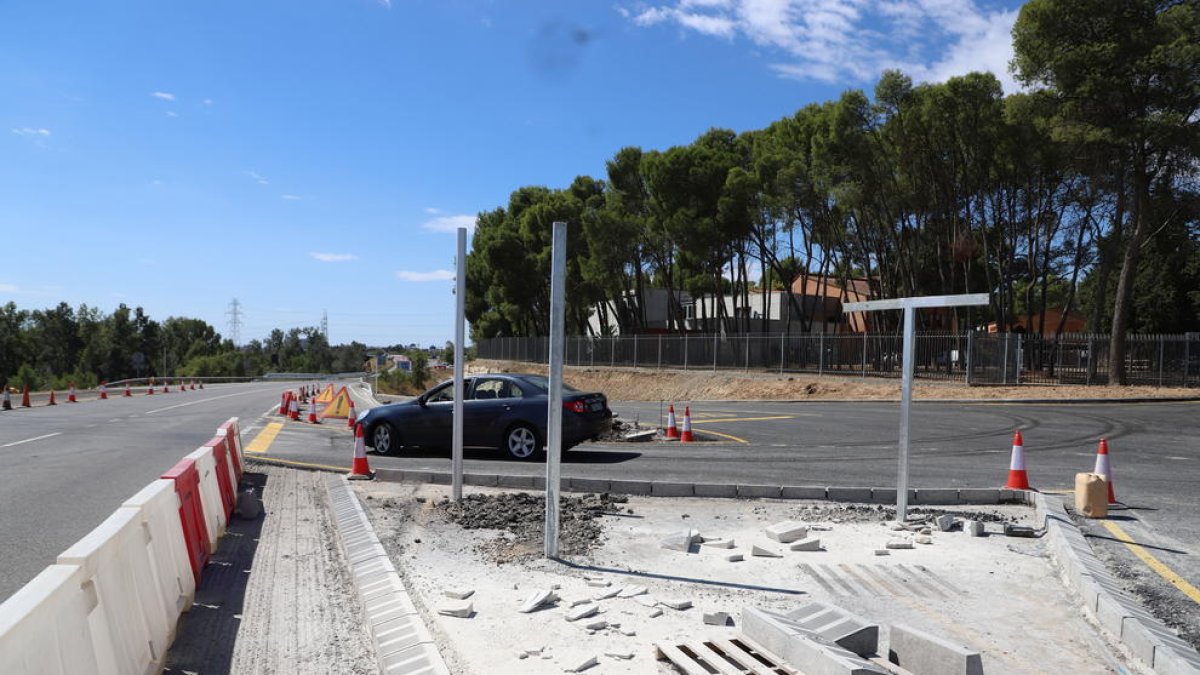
970, 357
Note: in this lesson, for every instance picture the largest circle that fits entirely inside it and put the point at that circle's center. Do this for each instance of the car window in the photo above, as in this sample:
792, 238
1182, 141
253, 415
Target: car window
542, 383
494, 388
445, 392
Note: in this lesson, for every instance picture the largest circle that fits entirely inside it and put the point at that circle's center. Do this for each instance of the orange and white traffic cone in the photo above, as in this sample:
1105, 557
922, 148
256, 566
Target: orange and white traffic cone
1018, 479
672, 430
71, 394
103, 391
293, 410
312, 413
25, 398
351, 416
686, 436
283, 403
193, 387
150, 389
360, 469
52, 401
166, 388
1104, 468
128, 391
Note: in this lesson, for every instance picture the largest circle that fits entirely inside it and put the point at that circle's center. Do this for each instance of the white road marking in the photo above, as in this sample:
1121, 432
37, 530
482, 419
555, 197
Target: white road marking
206, 400
1180, 459
30, 440
115, 419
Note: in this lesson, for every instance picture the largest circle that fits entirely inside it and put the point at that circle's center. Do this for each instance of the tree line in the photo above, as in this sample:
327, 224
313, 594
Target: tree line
1079, 193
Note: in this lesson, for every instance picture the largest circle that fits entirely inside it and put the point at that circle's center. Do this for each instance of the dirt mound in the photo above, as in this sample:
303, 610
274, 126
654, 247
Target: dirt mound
520, 515
643, 384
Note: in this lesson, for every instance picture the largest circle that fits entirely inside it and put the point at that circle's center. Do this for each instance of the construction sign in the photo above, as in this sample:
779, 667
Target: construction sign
327, 395
339, 407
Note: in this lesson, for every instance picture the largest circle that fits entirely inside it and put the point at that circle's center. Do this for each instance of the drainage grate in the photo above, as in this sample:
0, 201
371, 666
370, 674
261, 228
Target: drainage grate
723, 656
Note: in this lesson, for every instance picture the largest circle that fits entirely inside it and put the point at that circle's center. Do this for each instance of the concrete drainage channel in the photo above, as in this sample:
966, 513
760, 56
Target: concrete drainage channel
406, 646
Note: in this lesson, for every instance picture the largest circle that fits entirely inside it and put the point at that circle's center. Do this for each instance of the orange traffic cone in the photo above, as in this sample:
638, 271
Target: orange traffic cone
1018, 479
283, 403
52, 401
1104, 468
103, 391
71, 394
193, 387
128, 391
7, 400
686, 436
360, 469
312, 413
25, 397
351, 416
672, 430
150, 389
166, 388
293, 410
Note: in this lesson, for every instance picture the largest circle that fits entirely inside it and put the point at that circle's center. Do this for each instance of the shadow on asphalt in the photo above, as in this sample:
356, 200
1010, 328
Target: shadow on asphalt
1142, 544
670, 577
207, 633
573, 456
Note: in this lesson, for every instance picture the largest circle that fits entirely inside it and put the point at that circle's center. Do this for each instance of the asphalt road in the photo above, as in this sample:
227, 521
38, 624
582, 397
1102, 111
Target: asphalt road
64, 469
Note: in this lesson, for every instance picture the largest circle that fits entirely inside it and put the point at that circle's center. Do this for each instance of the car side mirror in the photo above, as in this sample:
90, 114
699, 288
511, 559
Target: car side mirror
421, 400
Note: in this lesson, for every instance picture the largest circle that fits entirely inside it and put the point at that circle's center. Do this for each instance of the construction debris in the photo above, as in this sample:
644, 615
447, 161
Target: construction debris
764, 552
716, 618
462, 610
807, 544
538, 600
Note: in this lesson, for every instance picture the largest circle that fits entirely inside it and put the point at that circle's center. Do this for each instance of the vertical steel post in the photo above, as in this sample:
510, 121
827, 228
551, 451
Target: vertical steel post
781, 348
1161, 356
558, 268
635, 354
864, 354
660, 351
1007, 339
906, 385
747, 368
716, 348
970, 356
821, 352
612, 351
460, 292
685, 341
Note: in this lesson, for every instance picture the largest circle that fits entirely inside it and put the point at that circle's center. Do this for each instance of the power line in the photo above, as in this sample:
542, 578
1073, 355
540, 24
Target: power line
235, 321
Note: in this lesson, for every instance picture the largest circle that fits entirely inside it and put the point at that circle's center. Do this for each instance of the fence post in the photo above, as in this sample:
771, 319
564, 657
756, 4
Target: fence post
747, 368
660, 351
821, 353
1007, 339
591, 353
685, 341
612, 351
635, 354
1091, 354
1187, 359
864, 354
715, 349
781, 337
970, 356
1161, 355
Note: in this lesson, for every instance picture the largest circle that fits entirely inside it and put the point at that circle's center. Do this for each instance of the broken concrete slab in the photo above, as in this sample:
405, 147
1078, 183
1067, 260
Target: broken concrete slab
656, 612
607, 593
598, 624
676, 604
881, 551
716, 618
462, 609
764, 552
680, 541
734, 557
920, 652
616, 654
945, 522
646, 600
899, 544
973, 528
838, 626
924, 539
631, 591
717, 543
459, 593
599, 583
582, 612
627, 631
583, 664
806, 544
787, 531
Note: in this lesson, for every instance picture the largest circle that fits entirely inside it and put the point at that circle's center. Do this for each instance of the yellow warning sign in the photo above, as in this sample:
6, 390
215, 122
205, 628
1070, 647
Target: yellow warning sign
339, 407
327, 395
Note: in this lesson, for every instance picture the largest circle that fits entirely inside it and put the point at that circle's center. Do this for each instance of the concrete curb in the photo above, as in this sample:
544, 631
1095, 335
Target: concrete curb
402, 641
1119, 614
645, 488
956, 401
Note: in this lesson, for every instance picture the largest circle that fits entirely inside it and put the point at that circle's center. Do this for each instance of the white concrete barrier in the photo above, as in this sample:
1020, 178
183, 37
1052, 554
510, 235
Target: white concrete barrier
210, 495
158, 508
44, 626
236, 437
129, 626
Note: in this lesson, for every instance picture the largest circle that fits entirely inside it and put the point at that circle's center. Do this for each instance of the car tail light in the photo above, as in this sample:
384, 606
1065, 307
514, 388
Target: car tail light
575, 406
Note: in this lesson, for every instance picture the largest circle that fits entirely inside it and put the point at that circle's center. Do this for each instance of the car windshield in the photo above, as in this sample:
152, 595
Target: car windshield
542, 384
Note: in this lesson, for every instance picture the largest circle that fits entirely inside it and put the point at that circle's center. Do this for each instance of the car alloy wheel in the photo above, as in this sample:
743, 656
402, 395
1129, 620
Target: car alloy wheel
385, 438
521, 442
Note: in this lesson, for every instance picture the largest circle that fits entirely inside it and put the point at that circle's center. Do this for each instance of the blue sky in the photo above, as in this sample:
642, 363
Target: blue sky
306, 156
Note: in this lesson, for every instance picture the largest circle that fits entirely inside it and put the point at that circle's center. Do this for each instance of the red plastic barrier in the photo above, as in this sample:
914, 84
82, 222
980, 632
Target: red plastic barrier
191, 513
229, 428
227, 483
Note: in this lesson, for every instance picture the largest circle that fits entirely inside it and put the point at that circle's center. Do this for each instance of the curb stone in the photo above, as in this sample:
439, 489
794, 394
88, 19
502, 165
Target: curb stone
1118, 613
402, 641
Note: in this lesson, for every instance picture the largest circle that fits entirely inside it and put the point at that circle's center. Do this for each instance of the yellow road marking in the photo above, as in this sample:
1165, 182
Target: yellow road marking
1153, 563
717, 433
309, 465
743, 419
264, 439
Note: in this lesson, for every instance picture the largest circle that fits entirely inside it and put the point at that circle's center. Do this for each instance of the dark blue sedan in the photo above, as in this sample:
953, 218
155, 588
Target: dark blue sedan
499, 411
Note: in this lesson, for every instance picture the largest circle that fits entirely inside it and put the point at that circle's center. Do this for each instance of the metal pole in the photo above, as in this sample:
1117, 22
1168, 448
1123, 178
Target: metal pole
781, 348
1007, 339
558, 268
635, 354
970, 356
1161, 354
821, 353
906, 385
685, 341
747, 368
715, 349
864, 355
460, 293
660, 351
612, 351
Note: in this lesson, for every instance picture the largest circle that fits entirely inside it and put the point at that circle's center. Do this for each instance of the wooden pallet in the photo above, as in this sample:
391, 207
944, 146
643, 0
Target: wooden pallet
723, 656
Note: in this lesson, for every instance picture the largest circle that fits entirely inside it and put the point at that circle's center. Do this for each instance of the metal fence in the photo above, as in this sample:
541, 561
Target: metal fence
970, 357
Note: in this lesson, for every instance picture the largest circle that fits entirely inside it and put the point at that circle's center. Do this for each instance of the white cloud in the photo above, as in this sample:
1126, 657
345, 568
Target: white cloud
436, 275
450, 223
291, 198
36, 132
850, 42
172, 113
164, 96
432, 210
208, 101
258, 178
9, 288
334, 257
